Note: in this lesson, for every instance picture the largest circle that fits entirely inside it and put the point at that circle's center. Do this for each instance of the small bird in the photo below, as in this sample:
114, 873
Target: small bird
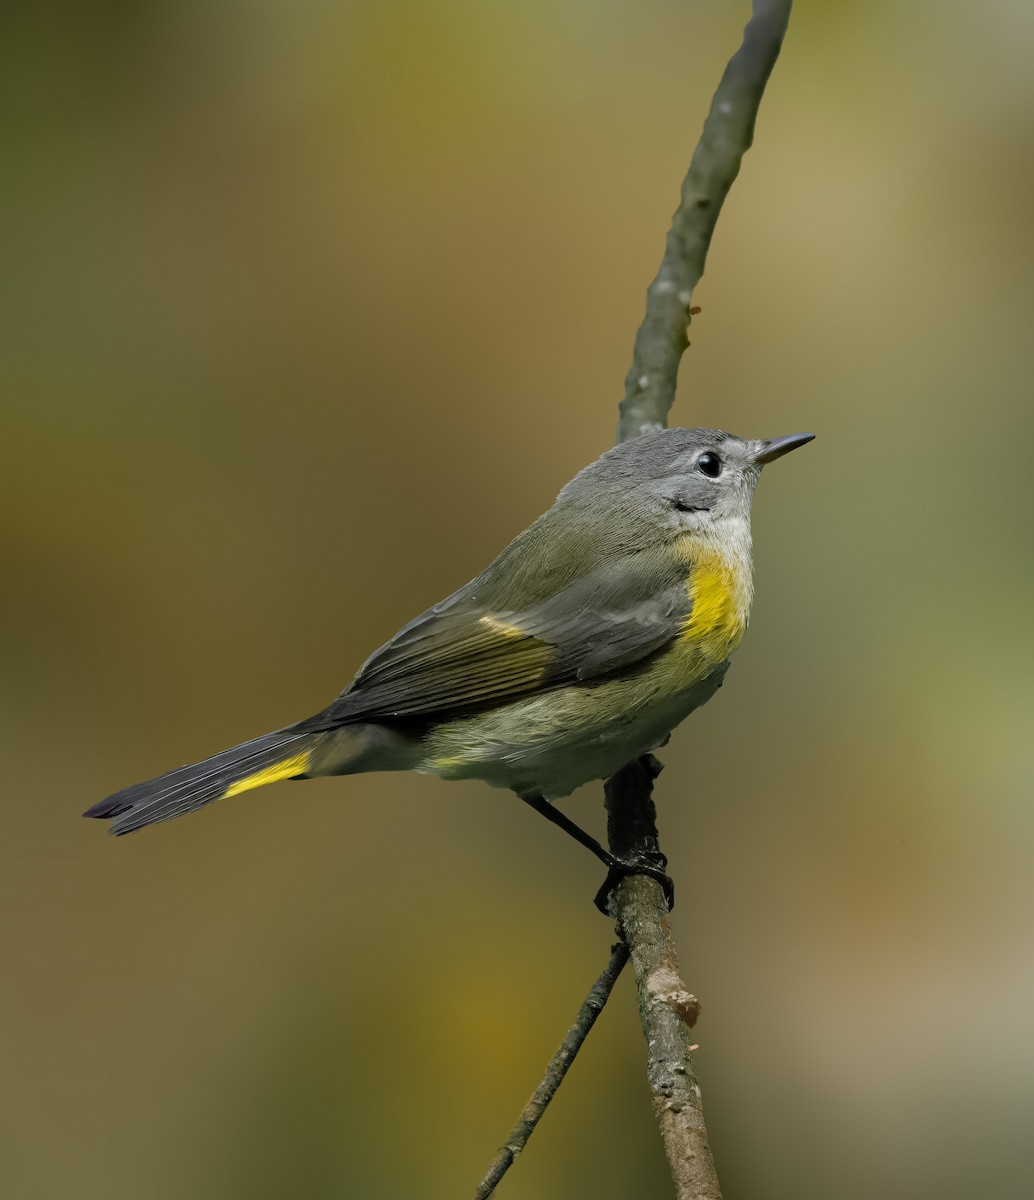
591, 636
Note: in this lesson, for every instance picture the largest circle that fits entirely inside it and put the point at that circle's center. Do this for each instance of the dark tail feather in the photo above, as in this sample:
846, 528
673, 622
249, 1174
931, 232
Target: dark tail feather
280, 755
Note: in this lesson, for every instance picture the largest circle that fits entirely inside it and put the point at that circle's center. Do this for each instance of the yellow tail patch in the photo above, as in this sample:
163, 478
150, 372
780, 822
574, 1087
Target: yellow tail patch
298, 764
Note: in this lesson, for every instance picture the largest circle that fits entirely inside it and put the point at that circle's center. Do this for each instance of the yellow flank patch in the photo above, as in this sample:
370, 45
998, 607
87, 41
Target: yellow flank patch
298, 764
715, 623
497, 626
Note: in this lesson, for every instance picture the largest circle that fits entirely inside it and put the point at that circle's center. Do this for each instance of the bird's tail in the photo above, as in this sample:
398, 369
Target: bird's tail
285, 754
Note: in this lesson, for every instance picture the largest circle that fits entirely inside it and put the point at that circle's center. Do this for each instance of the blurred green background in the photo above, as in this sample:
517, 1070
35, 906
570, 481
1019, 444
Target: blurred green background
308, 308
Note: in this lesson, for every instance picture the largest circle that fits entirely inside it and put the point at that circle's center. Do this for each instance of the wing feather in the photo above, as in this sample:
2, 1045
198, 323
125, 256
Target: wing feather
463, 654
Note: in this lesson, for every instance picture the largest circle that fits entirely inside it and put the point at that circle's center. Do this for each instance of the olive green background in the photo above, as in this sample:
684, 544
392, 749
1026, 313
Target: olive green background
307, 309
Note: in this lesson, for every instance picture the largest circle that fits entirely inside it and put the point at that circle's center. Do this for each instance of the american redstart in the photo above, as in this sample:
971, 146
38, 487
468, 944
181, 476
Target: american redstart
593, 634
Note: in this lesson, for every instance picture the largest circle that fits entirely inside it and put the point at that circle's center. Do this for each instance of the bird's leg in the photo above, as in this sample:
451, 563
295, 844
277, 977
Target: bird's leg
541, 805
618, 868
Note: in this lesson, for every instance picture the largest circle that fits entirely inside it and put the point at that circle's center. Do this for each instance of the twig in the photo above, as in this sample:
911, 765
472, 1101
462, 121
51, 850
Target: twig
666, 1008
555, 1072
728, 133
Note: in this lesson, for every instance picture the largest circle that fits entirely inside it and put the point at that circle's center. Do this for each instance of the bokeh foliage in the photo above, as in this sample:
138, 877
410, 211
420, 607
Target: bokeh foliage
307, 309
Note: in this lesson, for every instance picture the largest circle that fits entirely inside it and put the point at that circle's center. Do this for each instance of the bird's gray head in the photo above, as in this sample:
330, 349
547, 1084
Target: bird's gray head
680, 481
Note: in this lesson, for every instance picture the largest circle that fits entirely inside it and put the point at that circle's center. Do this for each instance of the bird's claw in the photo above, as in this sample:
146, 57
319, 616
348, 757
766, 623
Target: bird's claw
642, 866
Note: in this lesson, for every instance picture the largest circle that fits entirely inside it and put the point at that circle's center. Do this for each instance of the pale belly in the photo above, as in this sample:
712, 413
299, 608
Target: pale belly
550, 744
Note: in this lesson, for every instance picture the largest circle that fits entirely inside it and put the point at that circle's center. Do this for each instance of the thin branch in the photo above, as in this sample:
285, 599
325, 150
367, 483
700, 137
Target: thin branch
558, 1066
666, 1007
728, 133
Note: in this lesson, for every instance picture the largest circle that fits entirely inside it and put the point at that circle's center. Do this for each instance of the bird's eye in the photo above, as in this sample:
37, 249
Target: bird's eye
709, 464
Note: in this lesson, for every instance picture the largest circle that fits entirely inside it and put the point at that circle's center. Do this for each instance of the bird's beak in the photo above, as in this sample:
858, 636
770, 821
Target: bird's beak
773, 448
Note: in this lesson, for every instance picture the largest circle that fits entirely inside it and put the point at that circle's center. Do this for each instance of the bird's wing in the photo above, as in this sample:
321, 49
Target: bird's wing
463, 655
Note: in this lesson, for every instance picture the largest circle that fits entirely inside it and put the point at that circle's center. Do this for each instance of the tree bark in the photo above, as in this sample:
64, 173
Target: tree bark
727, 135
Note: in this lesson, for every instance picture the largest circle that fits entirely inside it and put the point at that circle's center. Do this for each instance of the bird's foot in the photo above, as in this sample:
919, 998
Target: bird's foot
652, 865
